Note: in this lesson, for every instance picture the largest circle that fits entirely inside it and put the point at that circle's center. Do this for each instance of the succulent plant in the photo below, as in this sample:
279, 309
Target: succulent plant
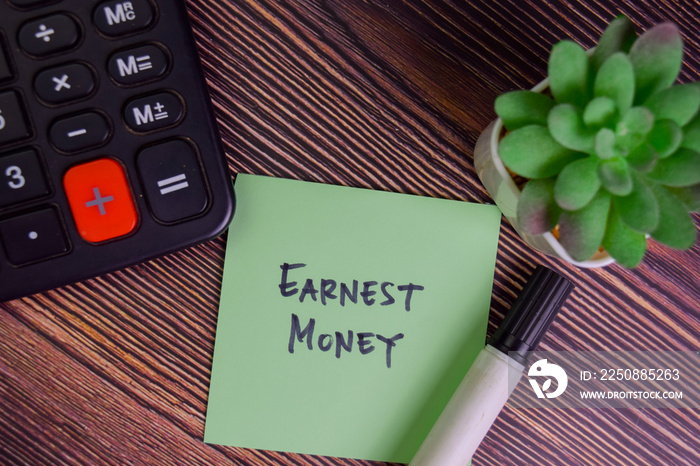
611, 150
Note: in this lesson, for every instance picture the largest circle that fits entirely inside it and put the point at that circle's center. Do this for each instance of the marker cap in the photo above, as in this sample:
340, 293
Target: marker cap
531, 314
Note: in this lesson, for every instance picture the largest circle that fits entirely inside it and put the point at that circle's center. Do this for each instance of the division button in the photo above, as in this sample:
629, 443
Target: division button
48, 35
64, 83
153, 112
138, 65
13, 119
33, 237
79, 132
173, 181
100, 200
21, 178
121, 17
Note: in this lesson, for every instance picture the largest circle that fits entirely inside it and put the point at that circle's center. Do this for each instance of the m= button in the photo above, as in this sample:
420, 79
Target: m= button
138, 65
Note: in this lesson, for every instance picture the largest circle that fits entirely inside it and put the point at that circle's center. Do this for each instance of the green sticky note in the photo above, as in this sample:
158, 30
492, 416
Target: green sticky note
347, 318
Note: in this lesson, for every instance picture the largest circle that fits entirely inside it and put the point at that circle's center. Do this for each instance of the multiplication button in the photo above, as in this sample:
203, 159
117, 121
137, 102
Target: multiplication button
173, 181
33, 237
64, 83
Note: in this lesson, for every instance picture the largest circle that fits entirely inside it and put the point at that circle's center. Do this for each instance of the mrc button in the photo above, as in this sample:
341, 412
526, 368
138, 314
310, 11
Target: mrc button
100, 200
173, 181
121, 17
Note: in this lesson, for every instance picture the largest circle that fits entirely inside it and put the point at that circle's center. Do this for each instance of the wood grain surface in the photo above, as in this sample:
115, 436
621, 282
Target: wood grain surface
387, 95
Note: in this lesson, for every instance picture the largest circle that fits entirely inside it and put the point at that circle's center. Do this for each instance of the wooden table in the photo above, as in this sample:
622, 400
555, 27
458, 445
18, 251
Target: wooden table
386, 95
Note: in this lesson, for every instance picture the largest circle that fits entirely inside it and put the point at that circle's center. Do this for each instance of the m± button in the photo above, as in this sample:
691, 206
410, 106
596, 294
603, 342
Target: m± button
154, 112
48, 35
64, 83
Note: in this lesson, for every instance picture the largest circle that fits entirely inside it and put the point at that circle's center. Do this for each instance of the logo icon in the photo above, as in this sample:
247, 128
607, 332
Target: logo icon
542, 368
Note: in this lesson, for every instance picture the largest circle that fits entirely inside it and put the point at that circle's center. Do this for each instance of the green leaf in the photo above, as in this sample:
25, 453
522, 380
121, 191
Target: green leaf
691, 134
531, 152
677, 103
656, 57
689, 196
678, 170
537, 212
642, 158
599, 112
568, 73
676, 228
633, 127
618, 36
615, 80
577, 183
566, 126
625, 245
581, 232
665, 137
523, 108
639, 210
615, 176
604, 146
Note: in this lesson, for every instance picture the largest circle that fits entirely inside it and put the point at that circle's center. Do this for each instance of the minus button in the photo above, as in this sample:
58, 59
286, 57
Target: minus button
80, 132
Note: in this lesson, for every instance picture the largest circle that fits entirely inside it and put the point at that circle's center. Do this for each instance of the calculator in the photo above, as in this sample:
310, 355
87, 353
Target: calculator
109, 151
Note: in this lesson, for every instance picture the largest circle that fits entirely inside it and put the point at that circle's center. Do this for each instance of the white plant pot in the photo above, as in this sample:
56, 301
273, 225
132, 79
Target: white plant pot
505, 193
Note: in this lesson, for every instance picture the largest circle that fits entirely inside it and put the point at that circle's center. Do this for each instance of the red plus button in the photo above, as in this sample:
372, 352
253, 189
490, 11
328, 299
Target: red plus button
100, 200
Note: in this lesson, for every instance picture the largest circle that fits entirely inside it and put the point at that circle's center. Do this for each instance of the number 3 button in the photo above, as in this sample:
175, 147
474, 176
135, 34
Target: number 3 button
21, 178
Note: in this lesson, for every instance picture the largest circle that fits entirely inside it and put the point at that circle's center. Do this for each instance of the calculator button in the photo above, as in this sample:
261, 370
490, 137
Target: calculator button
173, 181
21, 178
13, 120
64, 83
29, 3
138, 65
153, 112
50, 34
116, 18
5, 70
33, 237
79, 132
100, 199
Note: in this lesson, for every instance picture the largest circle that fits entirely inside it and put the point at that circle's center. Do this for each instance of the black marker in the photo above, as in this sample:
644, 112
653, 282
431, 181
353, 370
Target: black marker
485, 389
